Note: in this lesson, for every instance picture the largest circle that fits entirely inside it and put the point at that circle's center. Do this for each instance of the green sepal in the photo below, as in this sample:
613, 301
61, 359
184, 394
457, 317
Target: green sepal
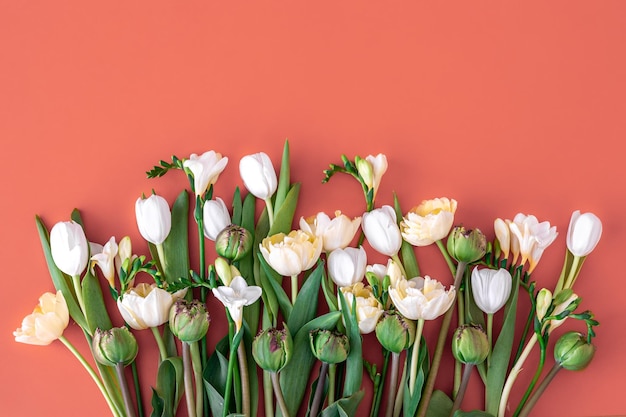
283, 178
354, 362
407, 252
96, 312
169, 387
61, 281
305, 307
344, 407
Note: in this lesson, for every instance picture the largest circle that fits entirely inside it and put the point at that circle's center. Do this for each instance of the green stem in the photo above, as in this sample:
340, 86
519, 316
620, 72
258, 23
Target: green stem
489, 336
279, 394
196, 363
78, 289
529, 320
397, 260
270, 210
268, 395
245, 379
447, 257
229, 378
316, 405
569, 282
415, 355
161, 255
531, 386
378, 386
294, 288
517, 368
464, 382
133, 367
93, 375
429, 386
397, 407
393, 383
128, 402
160, 342
540, 390
332, 372
460, 321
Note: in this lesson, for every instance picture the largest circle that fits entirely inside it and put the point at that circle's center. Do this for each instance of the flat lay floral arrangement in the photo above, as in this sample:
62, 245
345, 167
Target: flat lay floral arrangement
301, 301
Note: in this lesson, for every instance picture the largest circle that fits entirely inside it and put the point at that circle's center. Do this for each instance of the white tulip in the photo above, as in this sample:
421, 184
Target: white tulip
258, 175
147, 305
381, 230
491, 288
583, 233
215, 218
69, 247
368, 308
347, 266
205, 169
421, 298
154, 218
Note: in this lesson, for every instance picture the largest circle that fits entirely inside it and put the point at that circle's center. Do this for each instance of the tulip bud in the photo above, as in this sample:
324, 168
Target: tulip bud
189, 320
395, 333
466, 245
114, 346
233, 243
382, 231
258, 175
347, 266
328, 346
491, 288
573, 352
154, 218
272, 349
69, 247
215, 218
584, 233
470, 344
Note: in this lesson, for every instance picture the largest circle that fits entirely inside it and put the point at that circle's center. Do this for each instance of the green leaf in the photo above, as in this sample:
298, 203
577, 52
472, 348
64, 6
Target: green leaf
354, 362
440, 405
295, 375
501, 353
277, 296
95, 310
169, 386
237, 207
283, 217
410, 402
251, 314
214, 376
407, 251
305, 307
475, 413
347, 406
61, 281
283, 179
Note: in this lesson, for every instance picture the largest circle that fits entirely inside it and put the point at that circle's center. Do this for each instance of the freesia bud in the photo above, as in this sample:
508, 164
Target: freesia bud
381, 230
47, 321
371, 169
328, 346
491, 288
215, 218
336, 233
391, 270
234, 242
147, 305
258, 175
429, 222
222, 267
205, 169
69, 247
395, 333
291, 254
421, 298
470, 344
272, 349
347, 266
466, 245
189, 320
583, 233
573, 352
503, 234
153, 218
543, 303
114, 346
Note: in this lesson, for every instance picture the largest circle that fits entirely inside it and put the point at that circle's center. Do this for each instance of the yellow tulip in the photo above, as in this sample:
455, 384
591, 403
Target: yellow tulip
47, 322
429, 222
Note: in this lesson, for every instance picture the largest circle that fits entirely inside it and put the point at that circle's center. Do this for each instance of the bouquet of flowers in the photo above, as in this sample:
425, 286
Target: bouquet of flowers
295, 346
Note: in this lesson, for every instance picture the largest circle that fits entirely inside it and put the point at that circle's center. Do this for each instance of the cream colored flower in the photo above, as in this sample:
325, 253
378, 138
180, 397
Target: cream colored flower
47, 321
392, 270
347, 266
381, 230
291, 254
106, 260
205, 169
237, 295
147, 305
368, 308
372, 169
336, 233
531, 237
503, 234
429, 222
421, 298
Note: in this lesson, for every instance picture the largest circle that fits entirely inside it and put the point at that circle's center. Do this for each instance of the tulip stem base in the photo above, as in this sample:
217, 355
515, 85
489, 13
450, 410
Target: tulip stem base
540, 389
415, 355
128, 402
294, 288
159, 340
279, 395
316, 405
393, 383
467, 371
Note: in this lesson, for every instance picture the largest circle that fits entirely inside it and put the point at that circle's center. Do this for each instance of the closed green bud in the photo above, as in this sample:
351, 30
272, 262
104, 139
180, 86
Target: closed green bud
272, 349
329, 346
470, 344
114, 346
544, 301
233, 243
573, 352
189, 320
466, 245
395, 333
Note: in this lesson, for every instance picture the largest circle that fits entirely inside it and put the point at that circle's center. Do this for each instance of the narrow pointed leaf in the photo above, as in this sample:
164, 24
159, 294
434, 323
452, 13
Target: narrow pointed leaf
283, 178
95, 309
305, 307
283, 217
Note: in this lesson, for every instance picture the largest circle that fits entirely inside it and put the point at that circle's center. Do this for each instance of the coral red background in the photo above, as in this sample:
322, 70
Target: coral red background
505, 106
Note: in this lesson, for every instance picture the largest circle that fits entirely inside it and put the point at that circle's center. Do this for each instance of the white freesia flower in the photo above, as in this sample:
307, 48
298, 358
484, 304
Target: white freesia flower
105, 260
347, 266
147, 305
372, 169
69, 247
421, 298
215, 218
381, 230
368, 308
47, 321
237, 295
583, 233
335, 233
429, 222
491, 288
531, 238
205, 169
291, 254
154, 218
392, 270
258, 175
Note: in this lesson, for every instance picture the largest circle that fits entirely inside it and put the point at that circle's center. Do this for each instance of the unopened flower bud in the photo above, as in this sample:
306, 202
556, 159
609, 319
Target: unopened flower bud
189, 320
329, 346
114, 346
470, 344
466, 245
222, 267
573, 352
365, 170
544, 300
233, 243
395, 333
272, 349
